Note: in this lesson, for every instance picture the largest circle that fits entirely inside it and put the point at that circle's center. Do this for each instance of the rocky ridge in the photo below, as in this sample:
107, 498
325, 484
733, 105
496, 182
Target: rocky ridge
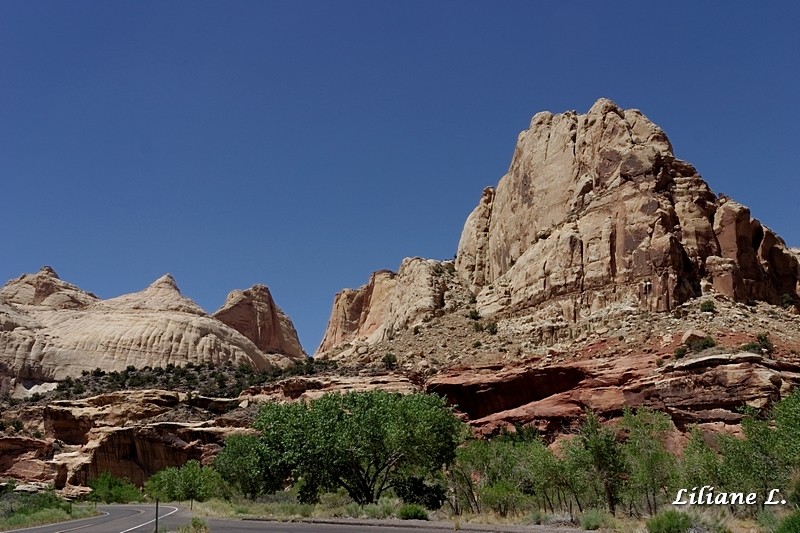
50, 330
135, 433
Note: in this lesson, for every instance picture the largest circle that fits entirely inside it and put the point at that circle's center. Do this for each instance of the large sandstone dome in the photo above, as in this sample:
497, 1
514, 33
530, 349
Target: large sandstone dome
51, 329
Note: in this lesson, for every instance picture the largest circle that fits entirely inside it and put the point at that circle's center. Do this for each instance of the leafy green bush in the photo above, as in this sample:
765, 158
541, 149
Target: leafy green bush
111, 489
791, 524
669, 521
707, 306
412, 511
593, 519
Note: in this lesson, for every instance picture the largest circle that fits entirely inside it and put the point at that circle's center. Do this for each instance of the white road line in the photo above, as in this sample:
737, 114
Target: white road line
174, 510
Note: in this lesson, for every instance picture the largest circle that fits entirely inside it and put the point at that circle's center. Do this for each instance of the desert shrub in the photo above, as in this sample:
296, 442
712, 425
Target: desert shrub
197, 525
669, 521
680, 351
787, 301
491, 328
702, 344
477, 326
474, 314
412, 511
389, 361
477, 344
594, 519
708, 306
762, 344
383, 508
790, 524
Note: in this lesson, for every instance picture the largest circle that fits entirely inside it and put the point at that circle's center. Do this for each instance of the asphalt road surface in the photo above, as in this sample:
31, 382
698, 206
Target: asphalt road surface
141, 519
120, 519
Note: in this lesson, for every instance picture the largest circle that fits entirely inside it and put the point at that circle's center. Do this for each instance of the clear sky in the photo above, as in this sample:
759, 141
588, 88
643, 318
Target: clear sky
305, 144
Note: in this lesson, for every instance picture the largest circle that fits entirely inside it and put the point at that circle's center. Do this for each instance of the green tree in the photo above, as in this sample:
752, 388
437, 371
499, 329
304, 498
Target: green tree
755, 463
605, 458
363, 442
700, 464
491, 476
111, 489
247, 464
787, 425
651, 467
190, 482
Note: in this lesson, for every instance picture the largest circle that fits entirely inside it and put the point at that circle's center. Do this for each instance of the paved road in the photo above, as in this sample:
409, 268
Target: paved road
120, 519
141, 519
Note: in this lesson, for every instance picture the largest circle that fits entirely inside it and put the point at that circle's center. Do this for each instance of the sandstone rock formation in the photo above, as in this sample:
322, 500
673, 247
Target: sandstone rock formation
596, 210
390, 302
135, 433
115, 432
254, 314
578, 278
595, 214
553, 397
50, 329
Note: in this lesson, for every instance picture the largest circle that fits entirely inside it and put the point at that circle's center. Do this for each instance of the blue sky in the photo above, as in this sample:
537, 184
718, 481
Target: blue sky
305, 144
